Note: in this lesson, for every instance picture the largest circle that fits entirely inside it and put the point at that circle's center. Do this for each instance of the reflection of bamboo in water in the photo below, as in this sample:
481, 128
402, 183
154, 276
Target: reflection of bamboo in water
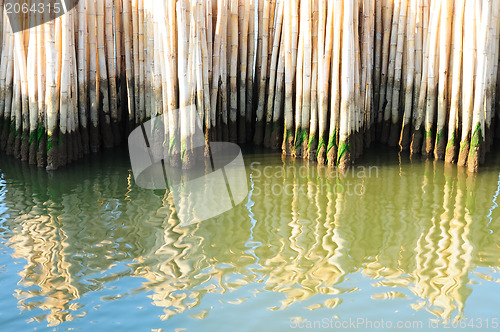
181, 265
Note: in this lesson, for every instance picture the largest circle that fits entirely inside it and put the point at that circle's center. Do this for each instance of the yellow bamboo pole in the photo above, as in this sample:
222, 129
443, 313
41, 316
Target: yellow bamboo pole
243, 54
458, 26
273, 76
262, 70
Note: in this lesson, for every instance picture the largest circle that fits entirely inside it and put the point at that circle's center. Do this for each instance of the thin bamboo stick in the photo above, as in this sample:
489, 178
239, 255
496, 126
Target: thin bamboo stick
395, 122
324, 63
458, 24
243, 53
289, 125
104, 79
332, 149
312, 144
386, 125
263, 54
273, 76
233, 84
347, 98
478, 117
432, 83
444, 59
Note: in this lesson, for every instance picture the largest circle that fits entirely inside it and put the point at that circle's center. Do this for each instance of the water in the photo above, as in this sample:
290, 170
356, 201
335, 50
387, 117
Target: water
392, 242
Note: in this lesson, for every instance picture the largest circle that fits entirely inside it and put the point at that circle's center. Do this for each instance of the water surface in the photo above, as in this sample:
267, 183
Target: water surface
393, 241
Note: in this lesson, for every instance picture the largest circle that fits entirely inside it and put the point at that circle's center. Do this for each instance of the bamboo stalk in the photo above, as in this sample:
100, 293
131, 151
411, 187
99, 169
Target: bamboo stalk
324, 63
386, 125
289, 125
452, 147
299, 91
432, 83
444, 59
419, 113
94, 93
312, 144
386, 45
111, 63
233, 114
83, 75
263, 54
347, 96
395, 123
243, 53
51, 97
332, 149
478, 115
42, 117
306, 103
273, 77
104, 79
250, 112
129, 73
32, 75
277, 127
6, 84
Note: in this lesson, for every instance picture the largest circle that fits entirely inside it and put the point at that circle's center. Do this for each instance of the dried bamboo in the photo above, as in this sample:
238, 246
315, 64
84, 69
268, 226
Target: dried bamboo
395, 122
273, 76
444, 59
243, 53
332, 149
263, 55
233, 114
347, 97
452, 148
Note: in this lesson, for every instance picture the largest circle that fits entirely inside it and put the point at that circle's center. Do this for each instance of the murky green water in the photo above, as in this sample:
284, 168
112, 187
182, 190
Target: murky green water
392, 242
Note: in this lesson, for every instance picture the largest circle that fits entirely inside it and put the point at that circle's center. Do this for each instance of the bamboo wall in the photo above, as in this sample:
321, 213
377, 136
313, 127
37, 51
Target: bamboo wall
320, 79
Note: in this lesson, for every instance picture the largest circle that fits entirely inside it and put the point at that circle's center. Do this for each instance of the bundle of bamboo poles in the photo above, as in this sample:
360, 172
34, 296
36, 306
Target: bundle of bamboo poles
320, 79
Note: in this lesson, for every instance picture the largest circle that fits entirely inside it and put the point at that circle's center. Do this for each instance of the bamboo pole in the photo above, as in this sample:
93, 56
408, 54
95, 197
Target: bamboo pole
444, 60
478, 115
41, 84
83, 75
289, 125
386, 125
324, 63
104, 80
263, 55
404, 140
250, 113
306, 103
299, 91
243, 53
51, 97
233, 84
6, 84
277, 126
432, 83
111, 62
458, 25
395, 122
94, 93
332, 148
269, 124
32, 75
312, 144
386, 45
418, 118
347, 96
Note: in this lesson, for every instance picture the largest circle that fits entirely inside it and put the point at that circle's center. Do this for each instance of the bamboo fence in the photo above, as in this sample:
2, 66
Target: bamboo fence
321, 80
